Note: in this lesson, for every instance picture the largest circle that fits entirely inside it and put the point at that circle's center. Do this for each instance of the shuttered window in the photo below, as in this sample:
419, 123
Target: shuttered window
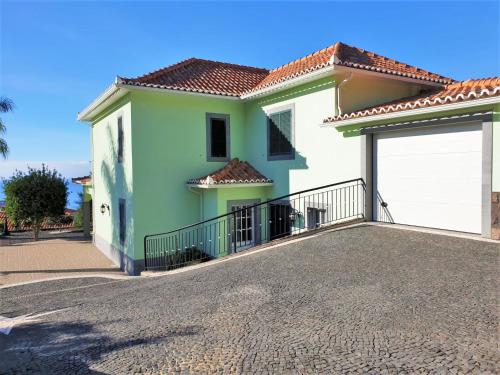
280, 137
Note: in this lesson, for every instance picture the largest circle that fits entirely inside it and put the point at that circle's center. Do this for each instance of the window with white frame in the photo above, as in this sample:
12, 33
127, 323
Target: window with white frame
280, 135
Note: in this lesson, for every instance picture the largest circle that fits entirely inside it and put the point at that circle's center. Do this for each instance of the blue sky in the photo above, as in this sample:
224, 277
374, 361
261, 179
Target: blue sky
56, 57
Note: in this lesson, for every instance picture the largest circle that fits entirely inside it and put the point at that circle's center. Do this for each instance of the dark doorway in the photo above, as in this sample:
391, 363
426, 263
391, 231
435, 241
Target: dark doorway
280, 224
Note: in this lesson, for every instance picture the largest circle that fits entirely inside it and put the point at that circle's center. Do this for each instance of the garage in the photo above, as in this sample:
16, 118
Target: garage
430, 177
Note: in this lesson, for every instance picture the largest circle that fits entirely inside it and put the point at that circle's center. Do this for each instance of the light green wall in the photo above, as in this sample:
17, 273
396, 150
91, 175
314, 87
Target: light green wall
216, 203
224, 195
210, 207
169, 135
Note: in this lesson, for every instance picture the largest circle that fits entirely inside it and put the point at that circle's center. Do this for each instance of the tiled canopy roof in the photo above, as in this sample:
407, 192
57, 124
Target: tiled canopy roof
82, 180
203, 76
453, 93
234, 172
212, 77
344, 55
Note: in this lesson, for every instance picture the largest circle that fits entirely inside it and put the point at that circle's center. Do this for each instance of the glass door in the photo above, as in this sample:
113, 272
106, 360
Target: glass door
245, 223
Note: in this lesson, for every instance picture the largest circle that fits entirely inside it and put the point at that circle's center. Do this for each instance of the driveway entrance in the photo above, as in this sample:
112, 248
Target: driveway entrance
55, 255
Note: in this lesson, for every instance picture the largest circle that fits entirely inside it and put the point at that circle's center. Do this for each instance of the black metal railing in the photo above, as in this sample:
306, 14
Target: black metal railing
248, 225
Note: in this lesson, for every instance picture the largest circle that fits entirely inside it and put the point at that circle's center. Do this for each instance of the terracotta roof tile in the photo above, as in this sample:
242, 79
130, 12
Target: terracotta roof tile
82, 180
457, 92
345, 55
203, 76
218, 78
234, 172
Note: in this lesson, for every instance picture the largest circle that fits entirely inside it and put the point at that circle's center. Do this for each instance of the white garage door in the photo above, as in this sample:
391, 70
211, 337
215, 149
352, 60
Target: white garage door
429, 177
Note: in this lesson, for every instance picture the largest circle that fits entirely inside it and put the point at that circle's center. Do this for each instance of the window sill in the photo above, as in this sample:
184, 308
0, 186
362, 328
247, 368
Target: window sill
280, 157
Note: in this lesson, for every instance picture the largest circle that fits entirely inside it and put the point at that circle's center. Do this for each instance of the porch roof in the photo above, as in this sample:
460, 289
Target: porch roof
234, 173
84, 180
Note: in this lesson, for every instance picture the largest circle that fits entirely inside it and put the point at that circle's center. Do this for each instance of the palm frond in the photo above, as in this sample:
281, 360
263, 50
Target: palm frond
3, 129
4, 149
6, 104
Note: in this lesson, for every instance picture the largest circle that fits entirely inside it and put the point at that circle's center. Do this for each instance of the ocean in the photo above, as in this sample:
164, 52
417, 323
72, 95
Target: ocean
73, 190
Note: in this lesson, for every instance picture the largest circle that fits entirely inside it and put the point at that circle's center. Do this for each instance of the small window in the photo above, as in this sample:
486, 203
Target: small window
120, 139
217, 137
280, 136
122, 218
315, 217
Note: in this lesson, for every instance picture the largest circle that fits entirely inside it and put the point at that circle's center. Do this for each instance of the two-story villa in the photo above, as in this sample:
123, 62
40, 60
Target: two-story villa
200, 138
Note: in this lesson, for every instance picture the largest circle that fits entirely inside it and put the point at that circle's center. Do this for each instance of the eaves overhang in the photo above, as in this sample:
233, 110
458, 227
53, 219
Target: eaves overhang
474, 117
342, 125
229, 185
119, 89
111, 94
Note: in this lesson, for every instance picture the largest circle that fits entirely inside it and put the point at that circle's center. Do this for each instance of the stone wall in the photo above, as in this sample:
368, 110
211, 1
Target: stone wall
495, 215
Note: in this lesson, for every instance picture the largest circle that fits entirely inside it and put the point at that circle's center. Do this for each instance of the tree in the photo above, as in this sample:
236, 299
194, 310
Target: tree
6, 105
78, 219
35, 196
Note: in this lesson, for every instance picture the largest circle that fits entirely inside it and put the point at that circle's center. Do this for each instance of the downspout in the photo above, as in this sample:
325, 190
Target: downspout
200, 194
344, 81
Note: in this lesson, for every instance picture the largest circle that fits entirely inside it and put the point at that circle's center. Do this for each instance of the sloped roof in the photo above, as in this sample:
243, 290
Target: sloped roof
344, 55
471, 89
203, 76
234, 172
219, 78
84, 180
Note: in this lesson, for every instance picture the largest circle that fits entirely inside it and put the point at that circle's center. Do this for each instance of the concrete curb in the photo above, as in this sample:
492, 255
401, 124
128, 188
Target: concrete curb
97, 275
441, 232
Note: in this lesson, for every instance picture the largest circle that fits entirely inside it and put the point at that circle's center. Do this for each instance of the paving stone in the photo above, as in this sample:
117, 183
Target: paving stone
365, 300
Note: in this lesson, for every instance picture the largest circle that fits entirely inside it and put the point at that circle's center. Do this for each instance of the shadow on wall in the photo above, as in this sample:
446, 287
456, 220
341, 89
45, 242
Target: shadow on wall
114, 176
63, 347
281, 170
281, 137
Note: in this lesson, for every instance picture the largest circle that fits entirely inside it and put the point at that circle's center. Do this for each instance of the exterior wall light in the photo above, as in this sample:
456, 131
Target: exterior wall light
104, 207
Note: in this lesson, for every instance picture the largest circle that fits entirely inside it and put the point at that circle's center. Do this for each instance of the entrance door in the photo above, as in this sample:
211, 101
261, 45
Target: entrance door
280, 224
429, 177
245, 224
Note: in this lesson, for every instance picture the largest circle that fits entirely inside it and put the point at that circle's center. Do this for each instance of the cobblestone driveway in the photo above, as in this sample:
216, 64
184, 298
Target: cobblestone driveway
363, 300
